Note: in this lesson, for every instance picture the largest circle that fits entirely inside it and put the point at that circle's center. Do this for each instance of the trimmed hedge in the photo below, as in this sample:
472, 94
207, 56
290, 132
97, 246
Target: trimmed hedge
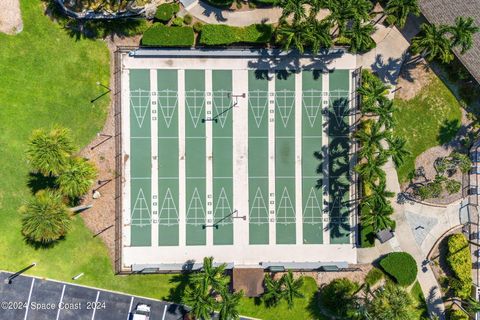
162, 36
458, 315
166, 11
401, 267
220, 34
373, 276
460, 261
220, 3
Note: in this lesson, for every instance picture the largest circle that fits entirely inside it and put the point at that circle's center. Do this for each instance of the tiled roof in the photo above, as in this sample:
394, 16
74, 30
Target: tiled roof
445, 12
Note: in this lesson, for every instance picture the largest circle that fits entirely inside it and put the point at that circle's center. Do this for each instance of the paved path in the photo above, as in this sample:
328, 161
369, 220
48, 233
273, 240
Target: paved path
213, 15
10, 17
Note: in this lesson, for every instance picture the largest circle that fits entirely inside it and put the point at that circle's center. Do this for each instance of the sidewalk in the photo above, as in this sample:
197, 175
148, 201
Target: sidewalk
213, 15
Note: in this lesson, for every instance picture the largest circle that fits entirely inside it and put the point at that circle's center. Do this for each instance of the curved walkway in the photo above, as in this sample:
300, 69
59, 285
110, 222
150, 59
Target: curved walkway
213, 15
10, 17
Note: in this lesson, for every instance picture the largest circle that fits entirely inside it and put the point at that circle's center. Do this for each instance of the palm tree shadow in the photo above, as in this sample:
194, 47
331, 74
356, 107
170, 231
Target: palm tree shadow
448, 129
37, 181
43, 246
176, 293
313, 306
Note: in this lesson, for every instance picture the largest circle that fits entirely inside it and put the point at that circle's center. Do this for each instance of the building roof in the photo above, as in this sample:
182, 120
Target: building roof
445, 12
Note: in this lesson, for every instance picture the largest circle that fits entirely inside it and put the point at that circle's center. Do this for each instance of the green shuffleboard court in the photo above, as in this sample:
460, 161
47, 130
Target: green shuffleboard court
339, 164
195, 155
168, 182
140, 159
199, 139
258, 157
312, 170
285, 157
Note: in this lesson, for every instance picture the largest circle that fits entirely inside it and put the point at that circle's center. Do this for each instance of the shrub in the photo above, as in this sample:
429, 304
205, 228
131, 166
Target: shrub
453, 186
224, 35
166, 11
460, 261
197, 26
367, 237
220, 3
373, 276
458, 315
187, 19
401, 266
264, 2
163, 36
177, 22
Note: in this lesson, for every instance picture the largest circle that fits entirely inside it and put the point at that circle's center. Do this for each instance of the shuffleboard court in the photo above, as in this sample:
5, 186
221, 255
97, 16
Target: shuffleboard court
140, 159
195, 156
168, 158
258, 158
222, 157
312, 182
339, 164
240, 155
285, 157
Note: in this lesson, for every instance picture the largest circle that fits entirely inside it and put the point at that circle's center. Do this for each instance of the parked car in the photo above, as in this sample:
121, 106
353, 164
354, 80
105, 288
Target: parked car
141, 312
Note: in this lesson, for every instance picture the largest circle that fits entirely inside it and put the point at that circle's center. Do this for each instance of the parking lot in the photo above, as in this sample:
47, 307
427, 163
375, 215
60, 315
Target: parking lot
32, 298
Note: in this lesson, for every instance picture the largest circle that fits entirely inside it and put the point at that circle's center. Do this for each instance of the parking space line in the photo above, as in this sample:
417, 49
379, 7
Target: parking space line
29, 297
164, 312
60, 302
95, 306
130, 309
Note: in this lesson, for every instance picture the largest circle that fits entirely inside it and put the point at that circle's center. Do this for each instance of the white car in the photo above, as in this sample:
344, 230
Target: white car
142, 312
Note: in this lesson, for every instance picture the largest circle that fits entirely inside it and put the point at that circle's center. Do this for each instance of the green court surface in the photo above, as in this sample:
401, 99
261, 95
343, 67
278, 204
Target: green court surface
195, 156
339, 164
285, 157
258, 158
205, 105
312, 170
222, 157
168, 184
140, 150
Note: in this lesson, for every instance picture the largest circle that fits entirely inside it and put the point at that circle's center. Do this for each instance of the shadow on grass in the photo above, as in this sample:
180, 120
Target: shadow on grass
37, 181
313, 306
181, 280
43, 246
448, 129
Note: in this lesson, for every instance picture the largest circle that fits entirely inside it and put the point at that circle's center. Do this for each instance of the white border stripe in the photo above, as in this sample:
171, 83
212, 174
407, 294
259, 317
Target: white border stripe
95, 306
59, 303
130, 308
154, 146
271, 157
325, 138
164, 312
298, 158
29, 297
182, 186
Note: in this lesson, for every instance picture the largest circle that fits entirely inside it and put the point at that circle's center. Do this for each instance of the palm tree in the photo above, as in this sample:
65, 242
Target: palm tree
289, 35
377, 217
391, 302
378, 198
199, 300
49, 151
384, 111
397, 150
398, 11
359, 35
371, 169
432, 43
462, 33
229, 305
361, 9
211, 277
373, 93
291, 288
318, 34
292, 7
45, 218
273, 291
77, 177
370, 137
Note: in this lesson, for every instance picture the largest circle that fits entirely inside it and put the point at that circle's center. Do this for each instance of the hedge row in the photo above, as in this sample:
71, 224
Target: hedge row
460, 261
221, 3
401, 266
166, 11
219, 34
162, 36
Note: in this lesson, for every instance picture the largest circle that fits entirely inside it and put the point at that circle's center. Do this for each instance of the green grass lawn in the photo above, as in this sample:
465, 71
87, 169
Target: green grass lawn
304, 309
417, 295
49, 78
431, 118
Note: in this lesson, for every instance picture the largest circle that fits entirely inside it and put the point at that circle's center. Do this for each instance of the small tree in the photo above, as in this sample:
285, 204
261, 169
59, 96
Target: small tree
338, 297
48, 151
391, 302
360, 36
45, 218
291, 288
77, 177
398, 10
273, 291
397, 149
432, 43
462, 33
229, 305
200, 301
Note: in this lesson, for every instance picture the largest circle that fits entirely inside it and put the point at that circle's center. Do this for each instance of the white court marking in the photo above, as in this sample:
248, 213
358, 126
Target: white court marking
140, 106
222, 102
140, 208
312, 102
196, 210
312, 214
61, 300
168, 213
168, 102
285, 209
223, 208
195, 101
257, 108
285, 100
29, 298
